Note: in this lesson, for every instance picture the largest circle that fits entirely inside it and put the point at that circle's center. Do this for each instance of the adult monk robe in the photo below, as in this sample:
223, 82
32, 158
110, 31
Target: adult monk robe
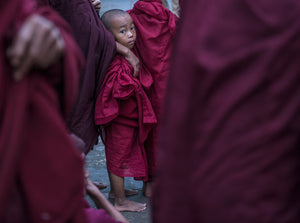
98, 46
41, 3
155, 27
231, 127
37, 184
125, 112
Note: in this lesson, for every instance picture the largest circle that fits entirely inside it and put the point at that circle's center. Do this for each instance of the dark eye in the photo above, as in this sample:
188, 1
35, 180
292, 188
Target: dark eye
133, 28
122, 31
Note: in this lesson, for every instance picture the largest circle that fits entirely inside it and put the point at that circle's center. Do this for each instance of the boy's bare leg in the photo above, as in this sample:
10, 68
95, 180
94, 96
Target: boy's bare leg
121, 203
101, 202
147, 189
128, 193
112, 195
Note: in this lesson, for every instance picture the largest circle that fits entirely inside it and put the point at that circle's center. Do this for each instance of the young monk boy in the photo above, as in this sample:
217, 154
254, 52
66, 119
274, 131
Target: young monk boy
125, 113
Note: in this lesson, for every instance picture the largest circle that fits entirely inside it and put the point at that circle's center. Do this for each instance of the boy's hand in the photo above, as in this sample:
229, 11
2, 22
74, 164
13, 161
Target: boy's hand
134, 61
130, 57
37, 44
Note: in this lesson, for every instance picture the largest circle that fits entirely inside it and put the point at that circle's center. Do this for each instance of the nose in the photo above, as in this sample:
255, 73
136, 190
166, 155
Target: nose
129, 34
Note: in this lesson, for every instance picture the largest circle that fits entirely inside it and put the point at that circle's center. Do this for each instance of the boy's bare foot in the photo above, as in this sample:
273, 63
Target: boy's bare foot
147, 189
112, 195
122, 204
100, 185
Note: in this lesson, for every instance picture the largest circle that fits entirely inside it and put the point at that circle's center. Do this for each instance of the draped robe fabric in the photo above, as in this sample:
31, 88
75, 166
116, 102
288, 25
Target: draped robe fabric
98, 46
125, 112
230, 134
155, 27
37, 183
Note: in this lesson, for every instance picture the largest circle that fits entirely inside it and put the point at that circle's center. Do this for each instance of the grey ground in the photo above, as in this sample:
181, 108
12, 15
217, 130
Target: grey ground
96, 164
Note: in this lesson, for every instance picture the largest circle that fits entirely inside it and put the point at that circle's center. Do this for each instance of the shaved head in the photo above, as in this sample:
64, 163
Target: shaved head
110, 14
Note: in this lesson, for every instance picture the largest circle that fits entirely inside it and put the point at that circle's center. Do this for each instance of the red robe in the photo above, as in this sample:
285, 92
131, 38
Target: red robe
123, 107
98, 46
37, 183
155, 31
230, 134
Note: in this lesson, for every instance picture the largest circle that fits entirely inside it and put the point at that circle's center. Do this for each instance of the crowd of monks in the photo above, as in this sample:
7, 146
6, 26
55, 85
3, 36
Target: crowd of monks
225, 95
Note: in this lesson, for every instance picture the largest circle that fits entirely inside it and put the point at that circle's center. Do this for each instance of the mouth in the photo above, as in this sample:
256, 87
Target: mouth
131, 43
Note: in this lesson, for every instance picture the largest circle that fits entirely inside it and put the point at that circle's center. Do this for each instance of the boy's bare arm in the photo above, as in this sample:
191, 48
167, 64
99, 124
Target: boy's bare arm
130, 57
101, 202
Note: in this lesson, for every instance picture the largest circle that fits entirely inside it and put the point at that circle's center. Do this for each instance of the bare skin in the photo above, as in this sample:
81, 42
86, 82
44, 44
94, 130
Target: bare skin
100, 185
97, 5
121, 203
130, 57
128, 193
38, 44
147, 189
101, 202
112, 195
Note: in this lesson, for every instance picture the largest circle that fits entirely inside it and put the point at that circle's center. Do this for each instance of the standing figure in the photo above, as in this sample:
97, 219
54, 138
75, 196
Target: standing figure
125, 112
230, 134
39, 68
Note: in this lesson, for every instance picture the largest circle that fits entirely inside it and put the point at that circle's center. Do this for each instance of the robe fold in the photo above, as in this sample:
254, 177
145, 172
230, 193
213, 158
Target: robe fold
125, 112
98, 46
230, 134
37, 184
155, 27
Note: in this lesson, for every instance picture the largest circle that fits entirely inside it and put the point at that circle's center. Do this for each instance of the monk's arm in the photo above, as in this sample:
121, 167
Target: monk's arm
130, 57
101, 202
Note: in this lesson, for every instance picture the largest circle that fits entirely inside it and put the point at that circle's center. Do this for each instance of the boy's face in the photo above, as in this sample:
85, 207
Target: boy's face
123, 29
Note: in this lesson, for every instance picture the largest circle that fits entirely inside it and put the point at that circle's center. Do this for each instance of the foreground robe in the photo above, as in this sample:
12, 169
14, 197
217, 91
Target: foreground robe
98, 46
155, 27
231, 126
37, 184
125, 112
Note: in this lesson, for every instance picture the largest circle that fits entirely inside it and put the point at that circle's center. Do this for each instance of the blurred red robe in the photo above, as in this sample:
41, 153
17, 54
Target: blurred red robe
98, 46
230, 134
37, 184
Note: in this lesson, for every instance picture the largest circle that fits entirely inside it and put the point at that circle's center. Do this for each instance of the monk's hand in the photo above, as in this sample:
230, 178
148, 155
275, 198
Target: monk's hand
38, 44
134, 61
97, 5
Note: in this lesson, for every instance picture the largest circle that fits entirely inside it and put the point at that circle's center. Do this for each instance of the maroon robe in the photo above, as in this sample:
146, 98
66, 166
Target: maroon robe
125, 111
230, 131
98, 46
37, 183
155, 31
